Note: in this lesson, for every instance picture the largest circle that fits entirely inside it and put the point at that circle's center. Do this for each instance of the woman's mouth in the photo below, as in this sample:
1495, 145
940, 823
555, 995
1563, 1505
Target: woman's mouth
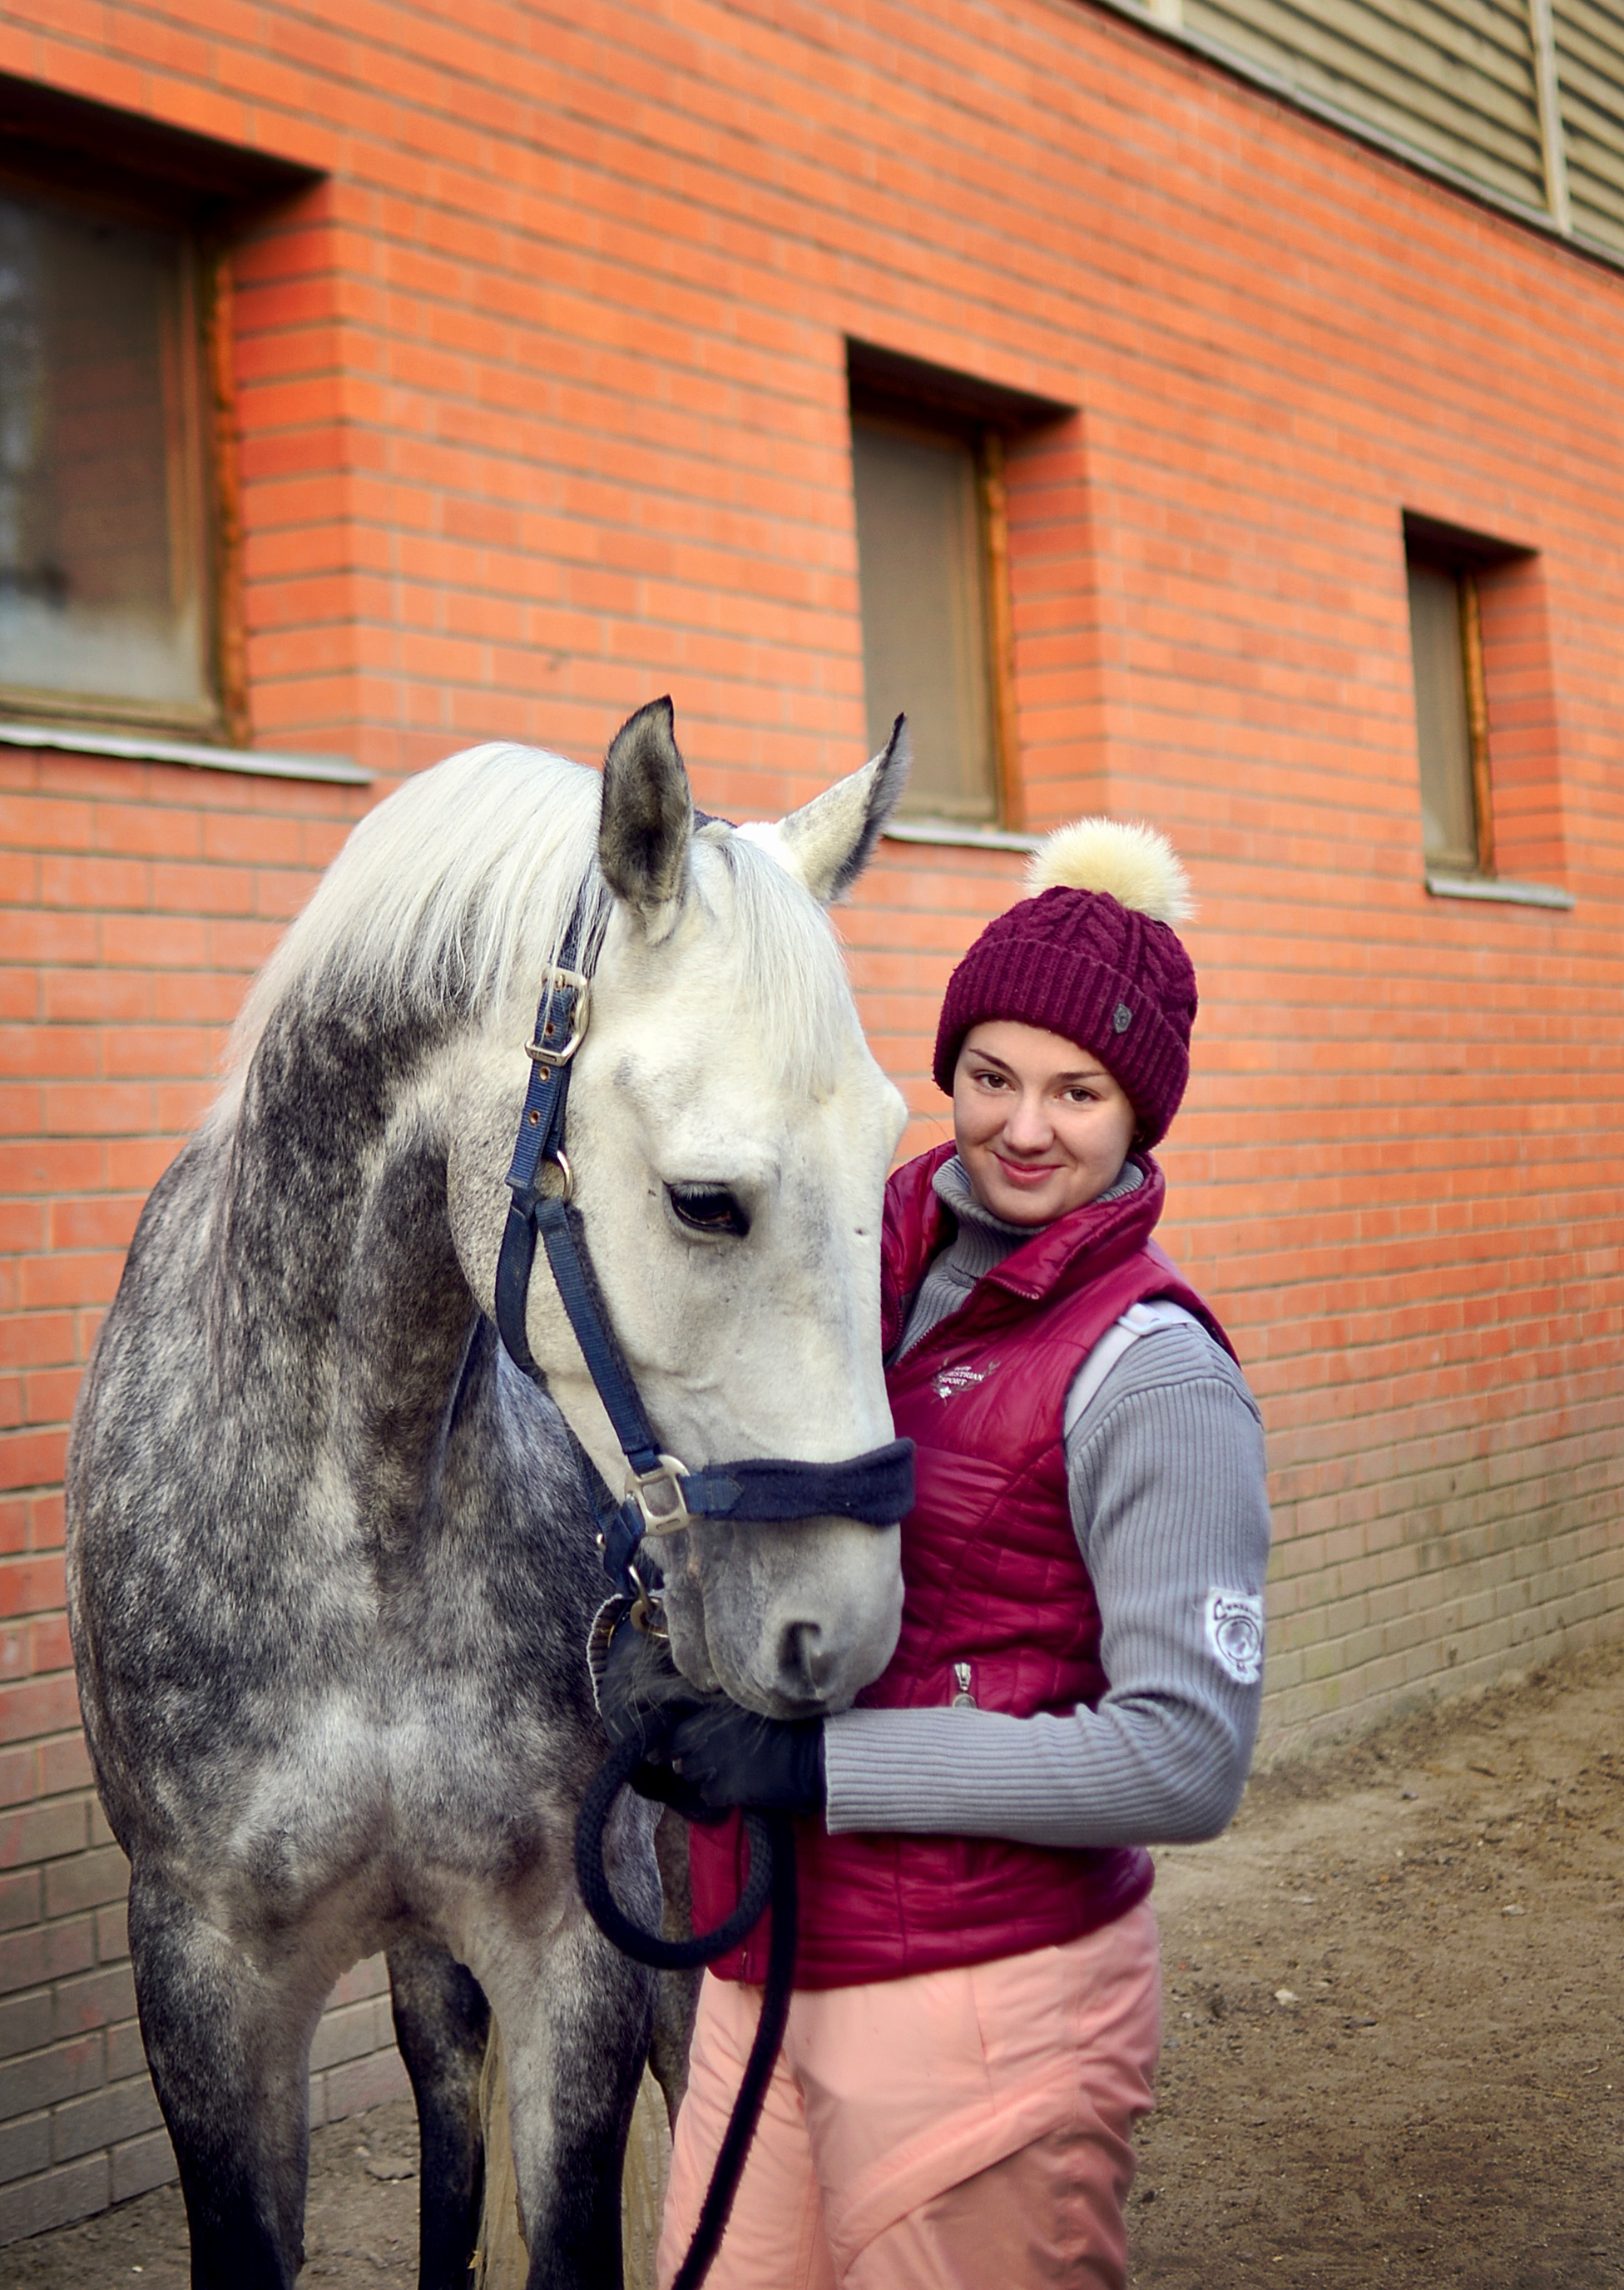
1026, 1176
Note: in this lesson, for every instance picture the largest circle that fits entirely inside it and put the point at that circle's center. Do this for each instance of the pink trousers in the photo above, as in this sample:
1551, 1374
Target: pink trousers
963, 2130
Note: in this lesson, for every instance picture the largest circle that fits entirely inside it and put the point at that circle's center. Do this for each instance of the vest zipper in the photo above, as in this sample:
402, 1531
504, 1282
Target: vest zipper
963, 1679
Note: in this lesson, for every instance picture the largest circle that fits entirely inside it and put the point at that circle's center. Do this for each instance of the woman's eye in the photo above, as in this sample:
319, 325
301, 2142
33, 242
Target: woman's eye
709, 1209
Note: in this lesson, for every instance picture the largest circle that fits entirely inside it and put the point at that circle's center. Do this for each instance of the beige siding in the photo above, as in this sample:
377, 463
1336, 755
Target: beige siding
1590, 69
1454, 79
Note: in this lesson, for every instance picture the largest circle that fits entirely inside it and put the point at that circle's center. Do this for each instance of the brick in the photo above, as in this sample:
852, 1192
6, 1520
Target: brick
20, 1899
126, 2055
42, 1952
64, 1764
93, 1999
25, 2023
44, 2078
42, 1832
121, 2111
85, 1880
25, 2146
72, 2190
139, 2165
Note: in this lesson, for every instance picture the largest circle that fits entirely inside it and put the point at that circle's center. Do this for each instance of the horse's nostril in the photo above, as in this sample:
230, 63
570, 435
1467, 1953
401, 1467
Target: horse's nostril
804, 1664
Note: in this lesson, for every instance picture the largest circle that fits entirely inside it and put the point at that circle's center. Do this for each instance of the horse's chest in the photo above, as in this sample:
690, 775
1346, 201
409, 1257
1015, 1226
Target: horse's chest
388, 1805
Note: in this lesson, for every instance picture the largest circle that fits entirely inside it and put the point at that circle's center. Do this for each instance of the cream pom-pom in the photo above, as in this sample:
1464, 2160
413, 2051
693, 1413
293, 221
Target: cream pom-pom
1135, 863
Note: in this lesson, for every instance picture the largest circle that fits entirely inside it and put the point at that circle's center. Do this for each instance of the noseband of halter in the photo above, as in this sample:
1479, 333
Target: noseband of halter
876, 1488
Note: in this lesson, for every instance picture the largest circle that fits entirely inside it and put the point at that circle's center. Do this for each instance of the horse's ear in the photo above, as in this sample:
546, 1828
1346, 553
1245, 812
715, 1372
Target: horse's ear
647, 821
828, 842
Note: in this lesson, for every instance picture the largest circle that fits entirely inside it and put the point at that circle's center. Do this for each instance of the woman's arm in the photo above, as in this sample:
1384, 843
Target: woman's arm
1167, 1497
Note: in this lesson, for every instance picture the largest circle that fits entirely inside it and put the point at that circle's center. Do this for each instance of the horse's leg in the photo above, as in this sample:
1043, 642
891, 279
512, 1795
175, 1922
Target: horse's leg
575, 2017
442, 2021
228, 2043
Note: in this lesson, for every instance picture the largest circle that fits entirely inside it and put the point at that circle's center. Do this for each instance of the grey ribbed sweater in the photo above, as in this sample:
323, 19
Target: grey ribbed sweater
1164, 1454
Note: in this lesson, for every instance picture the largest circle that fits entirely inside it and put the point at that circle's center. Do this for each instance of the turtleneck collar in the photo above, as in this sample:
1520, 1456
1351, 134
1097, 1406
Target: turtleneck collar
995, 1236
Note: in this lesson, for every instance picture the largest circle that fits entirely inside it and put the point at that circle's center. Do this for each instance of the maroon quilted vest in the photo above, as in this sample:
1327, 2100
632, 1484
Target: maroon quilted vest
997, 1600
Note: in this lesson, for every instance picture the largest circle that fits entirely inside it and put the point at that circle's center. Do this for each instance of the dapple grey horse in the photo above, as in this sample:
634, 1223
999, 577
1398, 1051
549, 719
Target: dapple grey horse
332, 1559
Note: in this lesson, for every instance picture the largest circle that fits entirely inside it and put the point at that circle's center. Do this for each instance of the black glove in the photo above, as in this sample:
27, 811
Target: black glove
729, 1755
640, 1693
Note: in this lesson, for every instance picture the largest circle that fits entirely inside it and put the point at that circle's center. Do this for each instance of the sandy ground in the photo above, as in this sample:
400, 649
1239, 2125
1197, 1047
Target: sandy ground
1394, 2005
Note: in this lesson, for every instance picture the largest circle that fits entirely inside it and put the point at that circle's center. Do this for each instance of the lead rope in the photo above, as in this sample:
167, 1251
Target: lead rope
770, 1884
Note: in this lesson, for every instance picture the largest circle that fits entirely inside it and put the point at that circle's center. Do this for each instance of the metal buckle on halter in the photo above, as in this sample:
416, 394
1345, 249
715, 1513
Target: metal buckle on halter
564, 1189
543, 1052
659, 1496
647, 1613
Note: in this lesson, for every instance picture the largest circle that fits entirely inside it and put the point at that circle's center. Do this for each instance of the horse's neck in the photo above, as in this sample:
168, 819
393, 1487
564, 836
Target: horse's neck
340, 1280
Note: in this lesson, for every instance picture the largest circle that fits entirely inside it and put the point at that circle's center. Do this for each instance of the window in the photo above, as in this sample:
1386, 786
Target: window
103, 545
923, 568
928, 467
1487, 734
118, 545
1451, 717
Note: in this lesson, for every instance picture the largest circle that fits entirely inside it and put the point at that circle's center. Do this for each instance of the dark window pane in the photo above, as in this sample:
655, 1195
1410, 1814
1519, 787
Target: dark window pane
100, 497
924, 613
1449, 819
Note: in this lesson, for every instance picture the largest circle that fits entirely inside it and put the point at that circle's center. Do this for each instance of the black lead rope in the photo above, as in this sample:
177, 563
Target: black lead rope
770, 1883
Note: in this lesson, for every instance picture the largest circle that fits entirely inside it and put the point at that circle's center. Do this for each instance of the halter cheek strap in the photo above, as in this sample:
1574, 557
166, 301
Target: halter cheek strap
876, 1488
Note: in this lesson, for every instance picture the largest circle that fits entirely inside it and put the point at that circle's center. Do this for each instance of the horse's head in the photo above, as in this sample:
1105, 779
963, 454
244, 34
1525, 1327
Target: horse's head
729, 1134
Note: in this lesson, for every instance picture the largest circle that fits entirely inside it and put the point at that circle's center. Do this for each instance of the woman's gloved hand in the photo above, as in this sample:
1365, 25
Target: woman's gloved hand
641, 1693
728, 1756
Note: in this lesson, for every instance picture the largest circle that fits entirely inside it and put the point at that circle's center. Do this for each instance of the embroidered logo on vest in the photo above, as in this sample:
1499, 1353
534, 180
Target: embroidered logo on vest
954, 1380
1235, 1632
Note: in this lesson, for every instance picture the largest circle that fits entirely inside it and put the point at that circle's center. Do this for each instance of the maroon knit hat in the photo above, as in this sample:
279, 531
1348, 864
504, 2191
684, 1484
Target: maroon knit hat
1093, 957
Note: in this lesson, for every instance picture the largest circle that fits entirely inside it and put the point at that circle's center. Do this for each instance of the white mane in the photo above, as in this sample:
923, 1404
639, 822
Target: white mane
459, 874
457, 891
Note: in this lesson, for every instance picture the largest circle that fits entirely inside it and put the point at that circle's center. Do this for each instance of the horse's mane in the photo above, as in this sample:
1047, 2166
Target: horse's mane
458, 890
465, 869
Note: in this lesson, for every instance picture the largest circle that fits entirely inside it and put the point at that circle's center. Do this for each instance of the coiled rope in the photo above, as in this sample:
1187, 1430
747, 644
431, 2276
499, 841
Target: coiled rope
770, 1884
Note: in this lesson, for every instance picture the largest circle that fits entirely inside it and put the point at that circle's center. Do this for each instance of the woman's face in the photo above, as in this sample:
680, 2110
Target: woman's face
1041, 1126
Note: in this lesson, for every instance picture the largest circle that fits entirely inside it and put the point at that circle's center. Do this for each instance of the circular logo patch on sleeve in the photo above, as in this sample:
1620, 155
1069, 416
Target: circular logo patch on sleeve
1235, 1632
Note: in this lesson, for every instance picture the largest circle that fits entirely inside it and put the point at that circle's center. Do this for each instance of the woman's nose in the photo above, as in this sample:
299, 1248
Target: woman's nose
1029, 1127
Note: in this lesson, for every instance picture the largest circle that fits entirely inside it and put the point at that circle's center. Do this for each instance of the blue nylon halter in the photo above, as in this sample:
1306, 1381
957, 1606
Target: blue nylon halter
876, 1488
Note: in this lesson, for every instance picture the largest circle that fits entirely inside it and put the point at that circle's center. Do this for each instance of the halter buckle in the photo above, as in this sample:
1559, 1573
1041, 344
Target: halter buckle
546, 1052
564, 1189
659, 1497
648, 1607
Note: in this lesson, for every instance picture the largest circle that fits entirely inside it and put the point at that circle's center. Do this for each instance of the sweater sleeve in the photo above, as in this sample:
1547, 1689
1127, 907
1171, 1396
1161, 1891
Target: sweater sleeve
1165, 1463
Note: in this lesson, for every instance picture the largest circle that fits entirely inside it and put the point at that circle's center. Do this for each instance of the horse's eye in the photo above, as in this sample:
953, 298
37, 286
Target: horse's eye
709, 1209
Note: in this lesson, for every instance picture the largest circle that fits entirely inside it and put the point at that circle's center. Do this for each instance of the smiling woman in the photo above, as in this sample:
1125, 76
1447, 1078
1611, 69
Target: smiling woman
1078, 1672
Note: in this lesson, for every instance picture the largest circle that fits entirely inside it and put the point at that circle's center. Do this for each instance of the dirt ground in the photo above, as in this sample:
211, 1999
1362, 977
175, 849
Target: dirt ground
1394, 2010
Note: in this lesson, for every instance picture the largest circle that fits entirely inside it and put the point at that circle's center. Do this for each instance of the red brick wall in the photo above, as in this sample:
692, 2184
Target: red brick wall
542, 395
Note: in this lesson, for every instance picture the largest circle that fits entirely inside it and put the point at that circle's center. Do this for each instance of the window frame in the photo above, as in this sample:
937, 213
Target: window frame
886, 388
197, 341
92, 159
1468, 558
